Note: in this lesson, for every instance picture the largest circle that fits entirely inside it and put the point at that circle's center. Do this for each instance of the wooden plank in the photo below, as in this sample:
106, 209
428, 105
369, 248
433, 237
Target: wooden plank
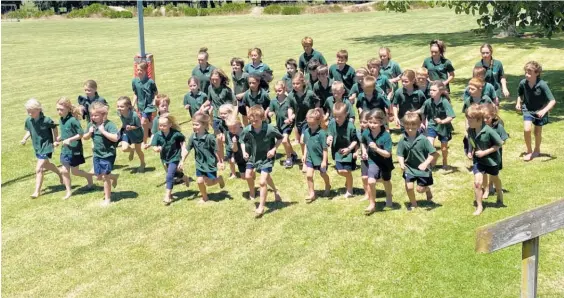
529, 267
519, 228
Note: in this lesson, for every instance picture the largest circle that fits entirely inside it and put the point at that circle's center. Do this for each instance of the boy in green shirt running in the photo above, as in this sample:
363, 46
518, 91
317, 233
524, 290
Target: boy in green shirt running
144, 96
315, 152
308, 54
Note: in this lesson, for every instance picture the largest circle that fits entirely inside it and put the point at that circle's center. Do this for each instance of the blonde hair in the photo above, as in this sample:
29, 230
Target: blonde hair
229, 108
476, 82
75, 111
256, 50
374, 62
91, 84
317, 113
411, 118
339, 108
475, 112
98, 106
299, 76
307, 40
369, 81
202, 118
143, 65
422, 71
232, 121
204, 51
224, 79
280, 84
479, 72
337, 85
378, 114
256, 111
364, 115
491, 110
387, 52
126, 100
343, 54
170, 119
534, 65
33, 104
362, 70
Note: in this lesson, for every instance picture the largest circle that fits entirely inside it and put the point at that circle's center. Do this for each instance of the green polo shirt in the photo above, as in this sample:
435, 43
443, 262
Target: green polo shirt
287, 79
145, 90
438, 71
384, 141
280, 109
259, 69
535, 98
305, 102
391, 70
330, 103
441, 109
135, 136
204, 147
356, 89
408, 102
415, 152
384, 83
484, 140
469, 100
237, 155
155, 125
487, 91
241, 83
425, 90
316, 142
310, 82
103, 148
257, 144
494, 73
41, 130
203, 75
323, 92
345, 75
498, 127
171, 145
304, 60
86, 102
195, 101
70, 127
260, 98
343, 136
218, 97
377, 101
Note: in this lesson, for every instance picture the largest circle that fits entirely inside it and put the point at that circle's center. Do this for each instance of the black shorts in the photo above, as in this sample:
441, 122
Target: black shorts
374, 171
490, 170
421, 181
349, 166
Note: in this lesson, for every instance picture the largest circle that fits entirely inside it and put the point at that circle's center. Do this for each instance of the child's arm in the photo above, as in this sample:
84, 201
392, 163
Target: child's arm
547, 108
304, 157
89, 133
504, 89
444, 121
401, 162
55, 134
71, 139
482, 153
382, 152
364, 152
26, 136
449, 78
425, 165
113, 137
396, 113
324, 160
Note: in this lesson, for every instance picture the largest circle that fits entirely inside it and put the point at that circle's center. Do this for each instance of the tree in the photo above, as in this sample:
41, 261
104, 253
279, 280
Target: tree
548, 16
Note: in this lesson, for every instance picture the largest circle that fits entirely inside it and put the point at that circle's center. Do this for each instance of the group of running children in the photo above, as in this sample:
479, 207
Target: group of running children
313, 100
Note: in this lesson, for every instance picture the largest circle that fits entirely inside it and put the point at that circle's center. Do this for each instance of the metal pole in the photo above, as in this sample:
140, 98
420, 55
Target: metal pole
141, 28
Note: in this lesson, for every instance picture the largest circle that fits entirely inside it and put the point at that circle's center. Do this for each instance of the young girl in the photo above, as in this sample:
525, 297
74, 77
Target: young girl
145, 93
255, 95
322, 88
494, 70
439, 67
389, 68
291, 69
422, 79
240, 85
338, 91
219, 94
535, 101
205, 153
283, 108
235, 154
258, 67
131, 131
407, 98
162, 102
169, 141
72, 155
225, 112
492, 119
195, 100
484, 151
356, 89
376, 146
259, 142
343, 139
439, 115
43, 132
91, 95
315, 157
364, 126
105, 137
203, 70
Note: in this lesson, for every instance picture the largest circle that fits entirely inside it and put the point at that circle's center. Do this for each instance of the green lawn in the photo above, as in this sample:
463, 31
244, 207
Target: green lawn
137, 247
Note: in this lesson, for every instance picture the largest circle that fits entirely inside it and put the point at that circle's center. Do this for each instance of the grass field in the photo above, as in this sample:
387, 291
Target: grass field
137, 247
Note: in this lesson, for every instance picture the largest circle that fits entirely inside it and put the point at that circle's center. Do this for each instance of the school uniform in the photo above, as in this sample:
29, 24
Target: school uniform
280, 109
171, 152
260, 98
134, 136
363, 163
343, 136
104, 150
260, 70
377, 101
468, 100
383, 82
73, 154
203, 75
155, 125
488, 90
305, 102
330, 103
408, 102
483, 139
236, 155
195, 101
310, 81
145, 89
415, 152
440, 70
305, 58
534, 99
345, 75
323, 92
379, 167
287, 79
441, 109
257, 145
498, 127
391, 70
356, 89
86, 102
218, 97
41, 130
316, 143
205, 147
240, 85
494, 73
426, 91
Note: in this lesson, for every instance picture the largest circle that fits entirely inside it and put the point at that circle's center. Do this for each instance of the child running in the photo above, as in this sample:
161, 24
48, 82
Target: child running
195, 100
131, 131
90, 96
492, 119
145, 92
315, 153
235, 154
284, 109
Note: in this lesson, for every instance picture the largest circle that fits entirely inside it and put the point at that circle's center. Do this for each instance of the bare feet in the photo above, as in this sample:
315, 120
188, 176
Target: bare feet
370, 209
310, 199
114, 182
105, 203
259, 212
485, 193
34, 195
202, 201
221, 182
131, 154
365, 198
68, 195
528, 157
348, 195
167, 200
478, 211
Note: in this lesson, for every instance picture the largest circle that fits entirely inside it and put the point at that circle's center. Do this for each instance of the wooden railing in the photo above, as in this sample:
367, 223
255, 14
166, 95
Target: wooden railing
525, 228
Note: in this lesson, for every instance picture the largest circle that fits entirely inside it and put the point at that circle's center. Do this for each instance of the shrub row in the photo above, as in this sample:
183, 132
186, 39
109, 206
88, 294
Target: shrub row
98, 10
284, 9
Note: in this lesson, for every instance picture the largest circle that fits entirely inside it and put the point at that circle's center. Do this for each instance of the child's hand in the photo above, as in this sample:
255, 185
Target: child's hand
398, 124
329, 141
423, 127
541, 113
92, 128
239, 96
245, 155
323, 165
56, 144
518, 107
303, 159
128, 127
469, 155
180, 167
402, 166
364, 156
288, 121
101, 128
438, 121
221, 166
373, 146
58, 139
157, 148
66, 142
506, 93
145, 146
480, 153
355, 155
234, 140
23, 141
344, 151
422, 167
271, 153
187, 107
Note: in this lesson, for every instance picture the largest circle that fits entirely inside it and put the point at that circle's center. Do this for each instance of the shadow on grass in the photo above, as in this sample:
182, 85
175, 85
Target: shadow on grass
123, 195
380, 206
55, 188
219, 196
275, 206
134, 170
424, 204
187, 194
84, 189
550, 157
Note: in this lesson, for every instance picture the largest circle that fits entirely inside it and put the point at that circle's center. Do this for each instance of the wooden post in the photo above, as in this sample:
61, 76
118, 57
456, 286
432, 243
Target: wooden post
529, 268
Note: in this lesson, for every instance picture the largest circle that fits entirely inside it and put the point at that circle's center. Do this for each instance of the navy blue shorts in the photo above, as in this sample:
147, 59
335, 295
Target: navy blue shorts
148, 116
103, 166
210, 175
252, 167
375, 172
490, 170
216, 125
349, 166
364, 168
72, 160
421, 181
287, 130
44, 156
228, 154
242, 167
317, 168
535, 119
431, 132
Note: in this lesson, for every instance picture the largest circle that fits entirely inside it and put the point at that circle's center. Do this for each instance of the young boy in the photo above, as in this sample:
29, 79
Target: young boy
338, 91
308, 54
259, 142
315, 153
487, 89
291, 68
342, 71
311, 75
322, 88
382, 81
283, 108
372, 97
415, 155
240, 84
343, 140
484, 151
535, 101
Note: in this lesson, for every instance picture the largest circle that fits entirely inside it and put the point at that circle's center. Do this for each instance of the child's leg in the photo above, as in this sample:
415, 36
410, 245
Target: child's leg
80, 173
365, 187
497, 182
263, 192
107, 189
409, 188
65, 172
270, 183
327, 183
48, 165
310, 186
426, 190
485, 189
232, 168
348, 181
219, 137
38, 177
170, 171
141, 156
146, 124
126, 148
478, 178
444, 151
527, 135
287, 146
432, 141
538, 139
388, 189
203, 190
250, 176
371, 195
